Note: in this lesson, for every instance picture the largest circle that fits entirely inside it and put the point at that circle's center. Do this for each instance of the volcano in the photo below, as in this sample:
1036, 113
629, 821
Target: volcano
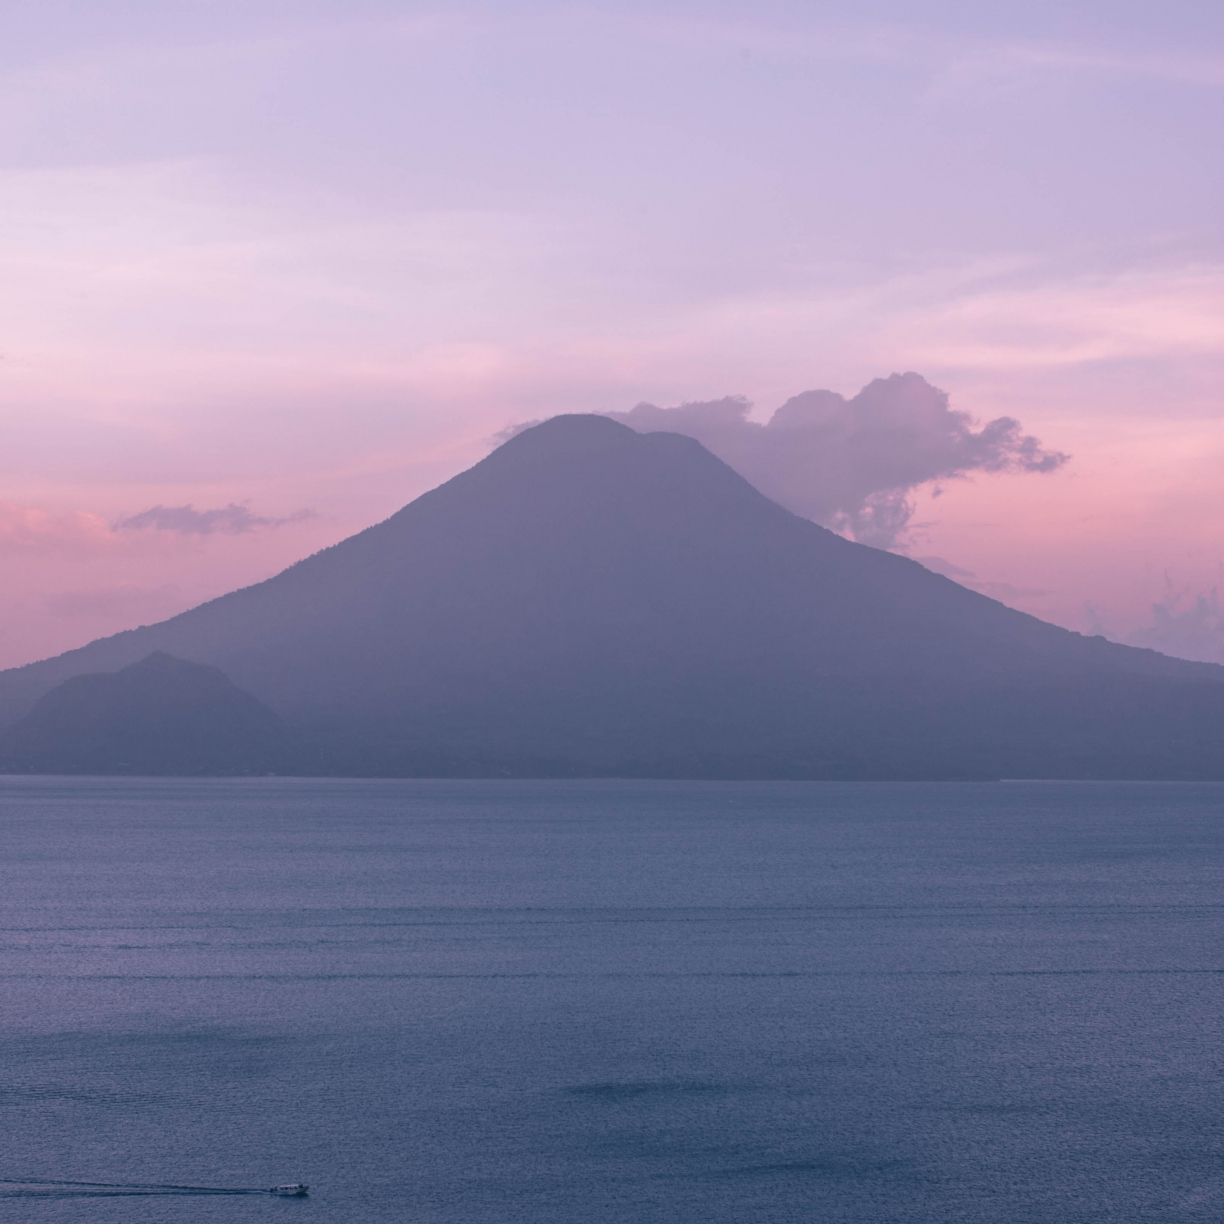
591, 601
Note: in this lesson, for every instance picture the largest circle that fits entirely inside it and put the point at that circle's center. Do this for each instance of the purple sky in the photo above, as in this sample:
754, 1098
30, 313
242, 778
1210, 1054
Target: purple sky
272, 269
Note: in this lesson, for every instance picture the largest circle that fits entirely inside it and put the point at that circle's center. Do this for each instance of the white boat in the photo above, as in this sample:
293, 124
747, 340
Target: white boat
295, 1191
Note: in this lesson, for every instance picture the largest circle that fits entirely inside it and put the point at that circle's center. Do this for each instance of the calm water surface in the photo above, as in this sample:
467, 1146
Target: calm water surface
596, 1001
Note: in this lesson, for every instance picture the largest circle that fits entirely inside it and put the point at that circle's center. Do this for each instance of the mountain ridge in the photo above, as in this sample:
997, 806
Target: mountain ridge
161, 715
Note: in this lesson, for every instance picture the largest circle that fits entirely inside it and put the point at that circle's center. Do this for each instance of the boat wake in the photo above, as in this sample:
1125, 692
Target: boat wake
22, 1187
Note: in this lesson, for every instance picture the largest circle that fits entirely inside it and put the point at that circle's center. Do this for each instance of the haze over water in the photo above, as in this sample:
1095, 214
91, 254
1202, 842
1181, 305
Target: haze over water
614, 1001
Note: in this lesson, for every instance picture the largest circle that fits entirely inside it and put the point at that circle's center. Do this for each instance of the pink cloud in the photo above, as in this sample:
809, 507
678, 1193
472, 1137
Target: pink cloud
27, 529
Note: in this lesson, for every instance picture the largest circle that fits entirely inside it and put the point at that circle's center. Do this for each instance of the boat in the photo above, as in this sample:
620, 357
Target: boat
297, 1190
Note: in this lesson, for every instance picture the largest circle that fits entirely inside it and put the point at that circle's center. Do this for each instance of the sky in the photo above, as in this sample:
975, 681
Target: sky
270, 270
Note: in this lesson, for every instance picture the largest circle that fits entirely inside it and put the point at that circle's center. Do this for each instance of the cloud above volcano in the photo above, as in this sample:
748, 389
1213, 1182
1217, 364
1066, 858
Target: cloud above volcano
853, 464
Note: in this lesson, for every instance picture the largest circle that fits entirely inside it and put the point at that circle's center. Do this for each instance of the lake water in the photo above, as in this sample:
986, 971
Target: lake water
587, 1002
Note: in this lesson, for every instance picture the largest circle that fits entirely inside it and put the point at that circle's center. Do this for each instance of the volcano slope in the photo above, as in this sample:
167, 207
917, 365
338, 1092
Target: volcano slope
590, 601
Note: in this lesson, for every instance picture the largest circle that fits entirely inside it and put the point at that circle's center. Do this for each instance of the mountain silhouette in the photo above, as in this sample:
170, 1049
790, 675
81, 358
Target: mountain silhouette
159, 716
588, 600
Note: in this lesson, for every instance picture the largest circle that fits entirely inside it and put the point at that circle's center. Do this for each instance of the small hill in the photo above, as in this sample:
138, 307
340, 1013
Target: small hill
588, 600
160, 716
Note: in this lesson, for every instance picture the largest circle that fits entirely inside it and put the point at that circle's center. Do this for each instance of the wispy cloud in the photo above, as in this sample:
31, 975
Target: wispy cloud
32, 530
1075, 320
955, 60
233, 519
